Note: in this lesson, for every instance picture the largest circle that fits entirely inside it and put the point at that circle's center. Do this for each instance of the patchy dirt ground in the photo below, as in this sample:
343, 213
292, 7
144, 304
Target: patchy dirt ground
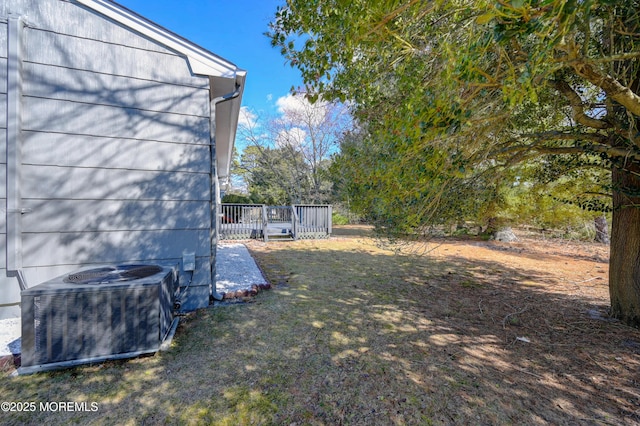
357, 332
483, 332
569, 267
573, 268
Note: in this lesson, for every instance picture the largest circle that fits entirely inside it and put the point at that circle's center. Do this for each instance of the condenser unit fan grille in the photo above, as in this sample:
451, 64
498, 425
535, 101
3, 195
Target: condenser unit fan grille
102, 313
110, 274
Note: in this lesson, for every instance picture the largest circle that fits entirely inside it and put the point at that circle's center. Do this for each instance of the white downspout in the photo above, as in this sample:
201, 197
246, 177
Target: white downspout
14, 211
214, 188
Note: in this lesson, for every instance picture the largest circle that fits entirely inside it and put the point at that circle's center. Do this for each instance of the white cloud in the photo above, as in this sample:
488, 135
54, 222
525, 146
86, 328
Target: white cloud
291, 137
247, 118
296, 109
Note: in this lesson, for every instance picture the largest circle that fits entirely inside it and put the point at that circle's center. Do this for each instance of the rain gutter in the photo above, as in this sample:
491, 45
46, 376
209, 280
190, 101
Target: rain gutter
14, 210
214, 187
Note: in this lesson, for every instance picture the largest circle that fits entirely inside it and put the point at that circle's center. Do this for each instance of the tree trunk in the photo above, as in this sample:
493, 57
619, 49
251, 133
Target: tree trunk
602, 233
624, 263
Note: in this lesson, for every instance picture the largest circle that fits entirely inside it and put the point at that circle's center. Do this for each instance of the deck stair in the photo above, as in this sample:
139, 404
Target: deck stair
279, 223
283, 231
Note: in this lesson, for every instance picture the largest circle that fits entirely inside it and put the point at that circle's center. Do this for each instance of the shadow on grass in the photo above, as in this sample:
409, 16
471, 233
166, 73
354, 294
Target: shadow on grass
554, 250
356, 335
352, 231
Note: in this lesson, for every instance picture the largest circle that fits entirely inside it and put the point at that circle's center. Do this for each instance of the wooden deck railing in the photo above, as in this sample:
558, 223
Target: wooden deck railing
312, 221
241, 221
246, 221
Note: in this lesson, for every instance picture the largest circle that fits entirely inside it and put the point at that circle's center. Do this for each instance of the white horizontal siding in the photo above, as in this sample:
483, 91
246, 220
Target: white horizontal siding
114, 215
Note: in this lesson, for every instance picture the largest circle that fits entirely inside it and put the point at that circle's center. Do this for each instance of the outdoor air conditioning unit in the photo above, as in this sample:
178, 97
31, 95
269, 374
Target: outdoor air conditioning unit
97, 314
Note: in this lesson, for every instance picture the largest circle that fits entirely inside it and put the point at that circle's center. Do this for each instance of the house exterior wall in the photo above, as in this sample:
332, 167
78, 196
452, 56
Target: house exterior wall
115, 143
8, 293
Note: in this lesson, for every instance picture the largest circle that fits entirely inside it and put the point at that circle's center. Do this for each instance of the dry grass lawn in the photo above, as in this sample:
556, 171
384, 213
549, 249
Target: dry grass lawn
359, 333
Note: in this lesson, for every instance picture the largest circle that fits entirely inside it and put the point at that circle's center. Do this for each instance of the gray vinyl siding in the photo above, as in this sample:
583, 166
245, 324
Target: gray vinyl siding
85, 118
10, 292
67, 150
123, 215
50, 48
112, 247
55, 82
116, 157
79, 183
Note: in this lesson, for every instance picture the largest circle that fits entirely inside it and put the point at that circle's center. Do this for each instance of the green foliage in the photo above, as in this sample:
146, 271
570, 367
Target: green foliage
270, 177
236, 199
459, 101
339, 219
396, 188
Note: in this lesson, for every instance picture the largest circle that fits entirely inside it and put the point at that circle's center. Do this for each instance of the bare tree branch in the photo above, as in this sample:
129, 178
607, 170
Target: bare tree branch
592, 143
578, 106
617, 91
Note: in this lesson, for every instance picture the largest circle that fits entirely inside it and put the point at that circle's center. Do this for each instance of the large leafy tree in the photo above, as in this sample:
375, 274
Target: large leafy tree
273, 175
287, 156
455, 91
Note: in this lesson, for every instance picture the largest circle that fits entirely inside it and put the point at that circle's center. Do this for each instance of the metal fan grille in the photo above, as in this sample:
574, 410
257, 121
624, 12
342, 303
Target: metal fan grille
110, 274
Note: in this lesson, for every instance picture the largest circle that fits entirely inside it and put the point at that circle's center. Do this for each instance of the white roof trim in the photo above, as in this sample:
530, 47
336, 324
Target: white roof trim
201, 61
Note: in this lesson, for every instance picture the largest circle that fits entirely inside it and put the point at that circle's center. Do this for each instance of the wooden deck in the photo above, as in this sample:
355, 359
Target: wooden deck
256, 221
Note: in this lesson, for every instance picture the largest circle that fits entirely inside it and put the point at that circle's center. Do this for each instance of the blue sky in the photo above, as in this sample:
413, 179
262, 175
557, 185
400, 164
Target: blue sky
234, 30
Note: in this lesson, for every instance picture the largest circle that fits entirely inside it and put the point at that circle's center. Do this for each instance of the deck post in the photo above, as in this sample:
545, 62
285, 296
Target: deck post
265, 223
294, 222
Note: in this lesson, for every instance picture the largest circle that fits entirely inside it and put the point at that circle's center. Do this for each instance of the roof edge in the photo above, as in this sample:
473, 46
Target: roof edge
201, 61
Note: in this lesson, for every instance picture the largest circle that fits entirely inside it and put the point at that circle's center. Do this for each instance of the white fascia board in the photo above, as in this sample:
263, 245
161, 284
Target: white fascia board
201, 61
235, 117
225, 140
